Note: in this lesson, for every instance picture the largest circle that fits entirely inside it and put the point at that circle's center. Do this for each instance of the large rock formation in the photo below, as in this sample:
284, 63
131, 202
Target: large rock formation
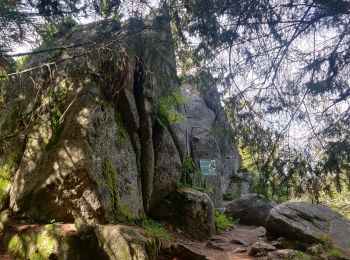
90, 147
310, 223
83, 139
209, 135
251, 209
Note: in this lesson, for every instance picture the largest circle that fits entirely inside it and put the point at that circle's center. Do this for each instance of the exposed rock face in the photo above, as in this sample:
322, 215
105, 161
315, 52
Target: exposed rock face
90, 170
89, 154
251, 209
206, 131
240, 184
310, 223
124, 242
189, 210
168, 166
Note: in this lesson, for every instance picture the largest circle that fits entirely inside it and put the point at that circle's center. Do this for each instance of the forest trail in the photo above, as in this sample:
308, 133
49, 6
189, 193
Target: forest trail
232, 244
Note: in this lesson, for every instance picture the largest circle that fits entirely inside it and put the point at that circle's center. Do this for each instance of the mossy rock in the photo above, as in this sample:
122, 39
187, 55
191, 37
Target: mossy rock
121, 242
39, 244
53, 241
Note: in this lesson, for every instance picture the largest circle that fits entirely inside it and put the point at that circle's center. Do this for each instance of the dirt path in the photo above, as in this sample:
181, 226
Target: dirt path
229, 245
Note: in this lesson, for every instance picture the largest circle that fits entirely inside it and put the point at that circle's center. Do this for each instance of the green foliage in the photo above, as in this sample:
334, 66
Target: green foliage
223, 222
205, 189
106, 8
227, 196
19, 62
190, 174
154, 229
16, 247
338, 201
188, 170
303, 256
19, 19
5, 177
334, 252
36, 245
167, 114
53, 30
326, 241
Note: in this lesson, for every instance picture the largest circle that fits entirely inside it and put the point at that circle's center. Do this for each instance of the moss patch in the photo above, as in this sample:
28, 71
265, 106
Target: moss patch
122, 132
57, 100
119, 212
303, 256
155, 229
34, 245
189, 174
5, 176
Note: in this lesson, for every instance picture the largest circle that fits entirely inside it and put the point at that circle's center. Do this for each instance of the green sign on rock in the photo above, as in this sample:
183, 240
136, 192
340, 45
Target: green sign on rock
208, 167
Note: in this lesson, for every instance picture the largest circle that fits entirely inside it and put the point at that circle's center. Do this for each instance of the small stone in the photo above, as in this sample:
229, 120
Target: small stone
279, 244
216, 239
261, 231
239, 241
213, 246
240, 250
183, 252
261, 249
289, 254
315, 250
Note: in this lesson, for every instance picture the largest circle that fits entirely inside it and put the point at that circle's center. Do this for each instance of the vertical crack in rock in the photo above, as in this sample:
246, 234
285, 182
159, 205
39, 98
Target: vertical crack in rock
142, 87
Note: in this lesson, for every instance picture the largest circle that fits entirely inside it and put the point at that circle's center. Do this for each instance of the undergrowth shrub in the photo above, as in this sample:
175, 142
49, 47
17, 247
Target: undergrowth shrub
189, 173
227, 196
188, 170
302, 256
154, 228
223, 222
167, 114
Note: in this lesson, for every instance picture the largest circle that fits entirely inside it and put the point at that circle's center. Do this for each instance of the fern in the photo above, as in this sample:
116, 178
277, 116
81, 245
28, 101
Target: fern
167, 114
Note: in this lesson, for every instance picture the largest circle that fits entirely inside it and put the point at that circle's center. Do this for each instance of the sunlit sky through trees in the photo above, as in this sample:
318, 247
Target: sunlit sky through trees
298, 133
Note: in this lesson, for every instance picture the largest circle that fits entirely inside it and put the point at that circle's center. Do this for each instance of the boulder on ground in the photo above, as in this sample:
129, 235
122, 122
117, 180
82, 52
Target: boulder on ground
179, 251
189, 210
121, 242
251, 209
310, 223
261, 249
